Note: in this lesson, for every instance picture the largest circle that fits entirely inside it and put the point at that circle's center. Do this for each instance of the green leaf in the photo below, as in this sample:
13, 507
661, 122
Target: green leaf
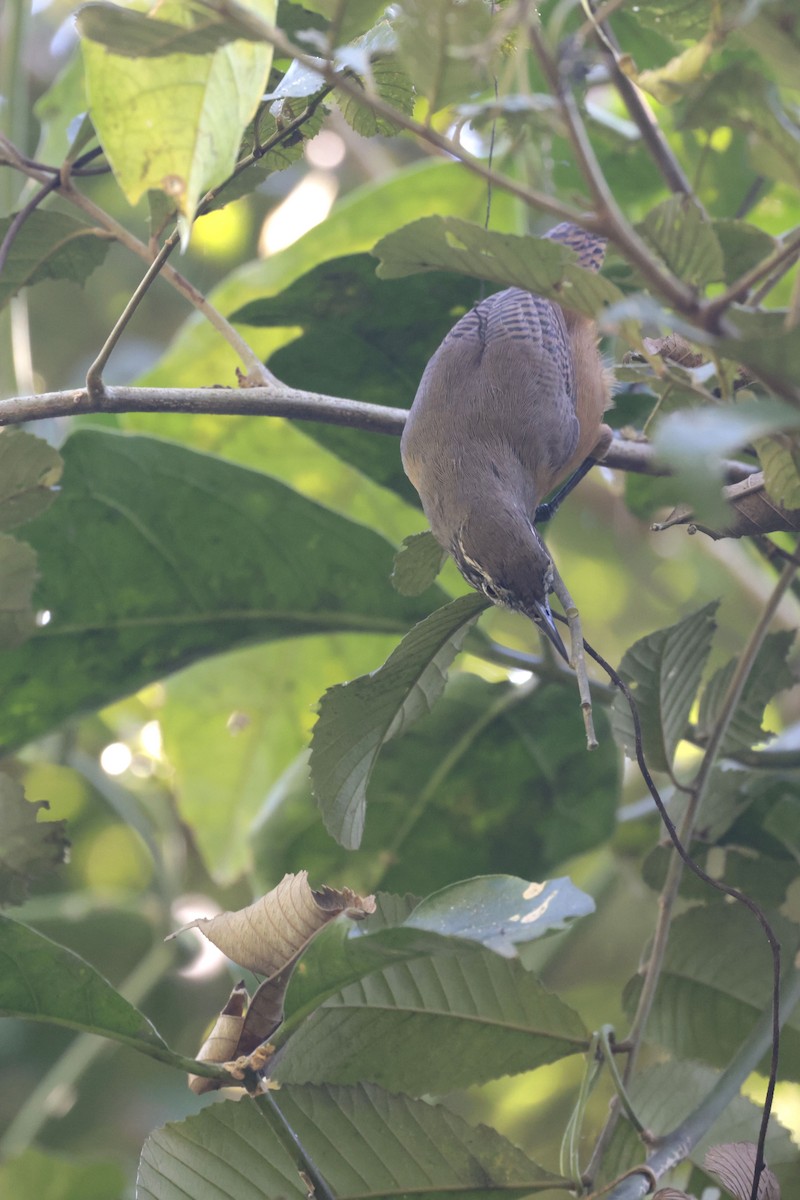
18, 576
393, 85
663, 671
28, 848
695, 441
678, 231
417, 563
765, 346
42, 981
356, 15
434, 1025
743, 246
664, 1095
442, 44
364, 1141
741, 97
354, 225
540, 265
49, 1176
209, 98
770, 674
180, 556
29, 470
245, 716
715, 983
364, 338
779, 456
134, 34
357, 718
549, 806
50, 245
340, 956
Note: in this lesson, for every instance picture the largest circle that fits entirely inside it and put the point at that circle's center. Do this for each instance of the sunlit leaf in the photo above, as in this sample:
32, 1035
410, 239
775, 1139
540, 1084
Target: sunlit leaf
28, 848
209, 97
541, 265
135, 34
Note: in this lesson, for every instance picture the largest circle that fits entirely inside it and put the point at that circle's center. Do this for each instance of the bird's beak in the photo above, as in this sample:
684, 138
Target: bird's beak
543, 619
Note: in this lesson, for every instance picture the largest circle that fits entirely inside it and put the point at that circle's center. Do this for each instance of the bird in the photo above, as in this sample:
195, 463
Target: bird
509, 406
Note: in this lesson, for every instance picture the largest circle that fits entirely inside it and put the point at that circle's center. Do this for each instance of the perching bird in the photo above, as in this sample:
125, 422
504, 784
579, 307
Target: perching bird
509, 407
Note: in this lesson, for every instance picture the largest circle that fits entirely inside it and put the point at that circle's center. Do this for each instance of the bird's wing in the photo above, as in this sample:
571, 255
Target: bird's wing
520, 344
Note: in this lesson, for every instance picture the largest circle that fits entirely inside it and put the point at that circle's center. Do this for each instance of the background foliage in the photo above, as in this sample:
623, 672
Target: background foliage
179, 589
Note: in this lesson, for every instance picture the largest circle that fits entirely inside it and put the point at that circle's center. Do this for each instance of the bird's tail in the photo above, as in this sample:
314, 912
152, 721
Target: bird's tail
590, 248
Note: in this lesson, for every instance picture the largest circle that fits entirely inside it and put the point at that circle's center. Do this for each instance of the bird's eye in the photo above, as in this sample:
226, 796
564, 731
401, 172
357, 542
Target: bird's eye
489, 591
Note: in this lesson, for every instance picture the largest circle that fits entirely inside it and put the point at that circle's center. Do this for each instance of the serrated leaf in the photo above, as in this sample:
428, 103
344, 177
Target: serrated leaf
364, 1141
743, 246
50, 245
433, 1025
417, 563
42, 981
30, 468
779, 456
664, 1095
681, 235
541, 265
28, 848
210, 98
393, 85
715, 982
770, 674
163, 583
549, 808
663, 670
357, 718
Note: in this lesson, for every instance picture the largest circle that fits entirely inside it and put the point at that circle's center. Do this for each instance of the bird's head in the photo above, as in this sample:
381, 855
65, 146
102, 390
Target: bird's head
504, 557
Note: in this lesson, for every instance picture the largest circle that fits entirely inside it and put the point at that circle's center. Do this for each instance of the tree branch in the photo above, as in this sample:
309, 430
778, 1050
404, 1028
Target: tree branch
281, 401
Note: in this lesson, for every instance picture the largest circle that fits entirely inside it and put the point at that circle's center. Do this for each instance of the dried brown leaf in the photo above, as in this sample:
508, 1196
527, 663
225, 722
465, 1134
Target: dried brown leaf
222, 1041
267, 936
676, 349
733, 1164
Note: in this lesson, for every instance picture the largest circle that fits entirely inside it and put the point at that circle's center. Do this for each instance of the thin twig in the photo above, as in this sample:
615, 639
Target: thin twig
577, 658
638, 109
94, 376
609, 216
785, 253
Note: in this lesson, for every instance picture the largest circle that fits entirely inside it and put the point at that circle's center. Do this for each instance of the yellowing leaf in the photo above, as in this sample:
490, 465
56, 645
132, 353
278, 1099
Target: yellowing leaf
198, 104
